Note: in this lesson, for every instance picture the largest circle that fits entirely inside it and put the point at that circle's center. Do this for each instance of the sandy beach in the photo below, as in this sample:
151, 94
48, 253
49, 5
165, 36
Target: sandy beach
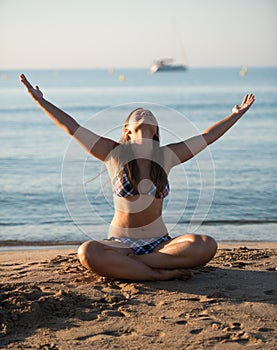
48, 301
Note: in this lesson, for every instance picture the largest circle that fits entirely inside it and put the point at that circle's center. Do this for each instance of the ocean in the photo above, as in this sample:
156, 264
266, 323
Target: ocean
228, 191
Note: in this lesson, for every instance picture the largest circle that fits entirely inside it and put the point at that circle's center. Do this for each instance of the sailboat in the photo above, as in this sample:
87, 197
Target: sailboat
168, 64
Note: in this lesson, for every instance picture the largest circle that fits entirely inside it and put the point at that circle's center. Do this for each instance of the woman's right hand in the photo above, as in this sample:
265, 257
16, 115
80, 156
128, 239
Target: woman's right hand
33, 91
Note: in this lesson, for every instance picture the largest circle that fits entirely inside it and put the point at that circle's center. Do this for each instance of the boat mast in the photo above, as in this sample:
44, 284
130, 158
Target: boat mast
173, 39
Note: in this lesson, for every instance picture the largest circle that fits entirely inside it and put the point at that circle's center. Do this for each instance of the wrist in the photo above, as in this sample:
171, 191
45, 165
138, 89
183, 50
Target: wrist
236, 115
40, 101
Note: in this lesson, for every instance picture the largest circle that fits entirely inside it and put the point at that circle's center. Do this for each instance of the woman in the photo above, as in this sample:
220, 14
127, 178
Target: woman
139, 247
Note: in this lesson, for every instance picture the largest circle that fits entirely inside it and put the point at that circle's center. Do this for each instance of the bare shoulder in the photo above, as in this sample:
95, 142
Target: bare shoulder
170, 157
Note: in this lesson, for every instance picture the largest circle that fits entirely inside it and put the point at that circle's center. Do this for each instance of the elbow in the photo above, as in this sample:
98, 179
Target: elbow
71, 129
210, 137
207, 138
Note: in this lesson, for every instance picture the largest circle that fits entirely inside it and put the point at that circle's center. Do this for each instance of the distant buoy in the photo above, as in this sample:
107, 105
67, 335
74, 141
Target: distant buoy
243, 71
122, 77
4, 77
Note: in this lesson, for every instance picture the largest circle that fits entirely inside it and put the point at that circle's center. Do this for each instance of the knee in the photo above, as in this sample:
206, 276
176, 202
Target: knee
210, 242
210, 246
87, 254
205, 245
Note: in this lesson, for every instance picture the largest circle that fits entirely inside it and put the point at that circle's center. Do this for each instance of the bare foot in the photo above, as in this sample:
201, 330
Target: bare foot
165, 274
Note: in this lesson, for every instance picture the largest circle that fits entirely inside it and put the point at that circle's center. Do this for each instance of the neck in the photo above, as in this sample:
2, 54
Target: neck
143, 149
142, 135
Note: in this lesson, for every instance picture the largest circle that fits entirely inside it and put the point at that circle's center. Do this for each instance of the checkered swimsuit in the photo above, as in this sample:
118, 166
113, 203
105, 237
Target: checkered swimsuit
123, 187
141, 246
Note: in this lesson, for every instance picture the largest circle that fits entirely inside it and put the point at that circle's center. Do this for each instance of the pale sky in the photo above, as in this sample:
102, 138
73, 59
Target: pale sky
58, 34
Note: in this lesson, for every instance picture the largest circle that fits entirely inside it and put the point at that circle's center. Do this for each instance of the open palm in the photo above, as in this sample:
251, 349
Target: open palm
245, 105
33, 91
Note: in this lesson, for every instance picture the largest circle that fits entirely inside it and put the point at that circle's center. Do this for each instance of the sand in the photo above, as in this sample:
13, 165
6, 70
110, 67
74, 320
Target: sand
48, 301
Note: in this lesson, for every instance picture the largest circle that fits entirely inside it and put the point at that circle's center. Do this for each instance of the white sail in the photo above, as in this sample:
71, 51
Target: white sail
169, 64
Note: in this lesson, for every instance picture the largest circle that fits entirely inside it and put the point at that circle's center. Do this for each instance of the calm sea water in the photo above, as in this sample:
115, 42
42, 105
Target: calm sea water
228, 191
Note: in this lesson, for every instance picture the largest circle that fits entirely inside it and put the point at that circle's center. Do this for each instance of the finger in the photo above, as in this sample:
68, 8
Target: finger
25, 81
23, 78
251, 100
245, 99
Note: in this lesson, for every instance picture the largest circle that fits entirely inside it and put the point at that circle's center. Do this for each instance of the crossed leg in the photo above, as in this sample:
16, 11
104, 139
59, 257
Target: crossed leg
186, 251
169, 260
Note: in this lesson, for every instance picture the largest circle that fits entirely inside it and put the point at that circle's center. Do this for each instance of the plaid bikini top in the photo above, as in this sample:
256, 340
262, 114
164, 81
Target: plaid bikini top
123, 187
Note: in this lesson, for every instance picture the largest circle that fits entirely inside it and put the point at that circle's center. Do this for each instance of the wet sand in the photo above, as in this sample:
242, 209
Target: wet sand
48, 301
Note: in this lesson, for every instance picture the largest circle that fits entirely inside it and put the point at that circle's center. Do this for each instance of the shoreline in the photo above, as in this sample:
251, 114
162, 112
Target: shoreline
14, 246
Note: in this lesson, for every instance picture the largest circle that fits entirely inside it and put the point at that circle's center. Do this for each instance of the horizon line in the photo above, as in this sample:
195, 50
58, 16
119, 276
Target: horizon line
129, 68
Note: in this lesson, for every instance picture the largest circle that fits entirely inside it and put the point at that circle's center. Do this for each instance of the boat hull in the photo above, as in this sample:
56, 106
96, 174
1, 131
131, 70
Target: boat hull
168, 68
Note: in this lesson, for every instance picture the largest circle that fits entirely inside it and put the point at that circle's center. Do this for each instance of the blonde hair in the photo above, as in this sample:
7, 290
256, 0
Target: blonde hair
157, 173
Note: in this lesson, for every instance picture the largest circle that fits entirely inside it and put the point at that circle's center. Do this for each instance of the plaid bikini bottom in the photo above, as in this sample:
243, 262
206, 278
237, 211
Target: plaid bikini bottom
141, 246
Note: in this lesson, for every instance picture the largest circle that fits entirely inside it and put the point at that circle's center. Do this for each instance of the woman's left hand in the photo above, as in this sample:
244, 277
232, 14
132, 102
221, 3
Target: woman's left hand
245, 105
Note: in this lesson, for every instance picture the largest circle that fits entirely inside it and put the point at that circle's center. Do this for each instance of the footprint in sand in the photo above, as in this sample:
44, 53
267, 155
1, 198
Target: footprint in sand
196, 331
181, 322
236, 326
33, 263
265, 329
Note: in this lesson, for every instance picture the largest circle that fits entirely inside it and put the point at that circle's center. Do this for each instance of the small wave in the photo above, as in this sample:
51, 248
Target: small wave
203, 223
54, 222
67, 108
13, 223
50, 222
229, 222
17, 109
22, 243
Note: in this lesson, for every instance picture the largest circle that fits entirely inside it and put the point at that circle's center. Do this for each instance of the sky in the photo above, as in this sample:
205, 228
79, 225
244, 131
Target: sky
64, 34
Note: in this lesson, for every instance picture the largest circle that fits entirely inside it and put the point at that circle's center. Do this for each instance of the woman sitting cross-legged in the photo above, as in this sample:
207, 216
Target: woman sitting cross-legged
138, 246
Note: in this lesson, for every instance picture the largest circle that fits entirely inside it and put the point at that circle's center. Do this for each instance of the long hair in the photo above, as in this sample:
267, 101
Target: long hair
157, 173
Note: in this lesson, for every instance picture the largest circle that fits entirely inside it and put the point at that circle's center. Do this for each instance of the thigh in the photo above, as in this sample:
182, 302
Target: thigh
189, 245
177, 241
100, 249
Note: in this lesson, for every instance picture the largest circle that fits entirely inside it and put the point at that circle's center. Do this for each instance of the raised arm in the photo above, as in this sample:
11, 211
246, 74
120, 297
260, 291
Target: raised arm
96, 145
189, 148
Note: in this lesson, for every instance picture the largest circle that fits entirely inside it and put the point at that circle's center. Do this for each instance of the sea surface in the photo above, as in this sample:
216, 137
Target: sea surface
227, 191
